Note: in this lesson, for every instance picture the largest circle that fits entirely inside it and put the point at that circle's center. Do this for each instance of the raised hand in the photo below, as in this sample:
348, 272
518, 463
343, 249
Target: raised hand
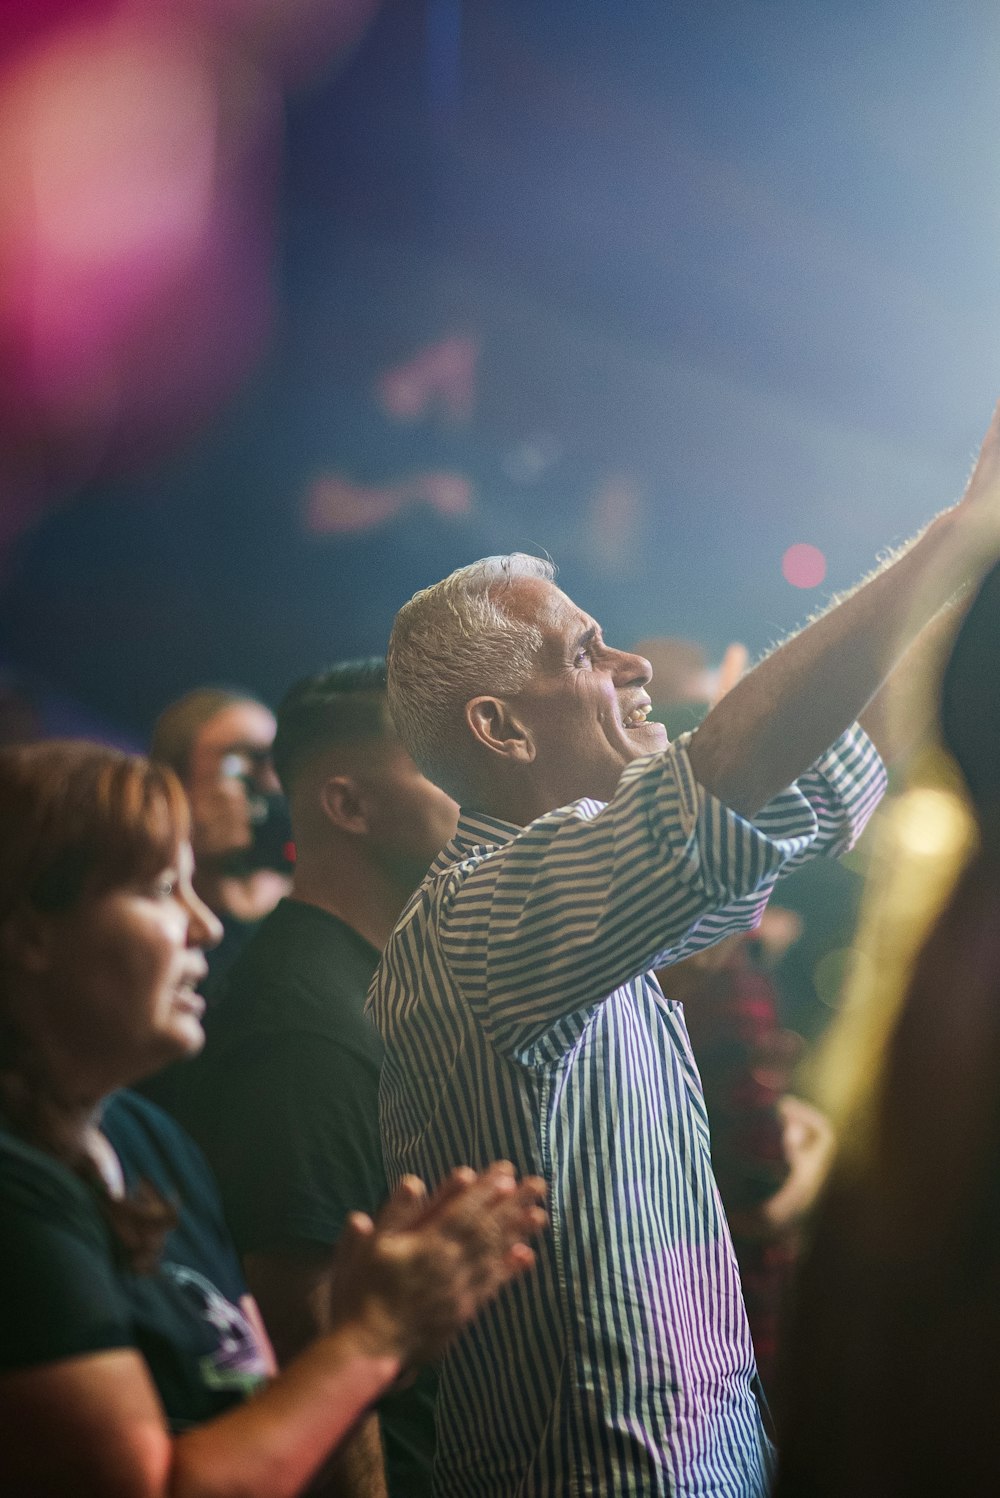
734, 666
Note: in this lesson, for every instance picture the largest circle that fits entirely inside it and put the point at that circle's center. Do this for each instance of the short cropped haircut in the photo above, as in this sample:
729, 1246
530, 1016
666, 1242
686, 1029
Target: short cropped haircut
454, 641
179, 724
344, 704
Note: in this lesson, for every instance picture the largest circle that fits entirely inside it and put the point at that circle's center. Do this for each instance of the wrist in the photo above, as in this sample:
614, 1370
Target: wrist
969, 534
375, 1333
377, 1358
949, 557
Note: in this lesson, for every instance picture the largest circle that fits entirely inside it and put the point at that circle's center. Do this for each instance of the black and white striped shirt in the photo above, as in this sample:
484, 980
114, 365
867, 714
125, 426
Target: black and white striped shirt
521, 1020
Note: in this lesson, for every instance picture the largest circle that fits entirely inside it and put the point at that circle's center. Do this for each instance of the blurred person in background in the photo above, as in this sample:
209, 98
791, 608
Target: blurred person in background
128, 1342
284, 1099
892, 1378
770, 1148
218, 742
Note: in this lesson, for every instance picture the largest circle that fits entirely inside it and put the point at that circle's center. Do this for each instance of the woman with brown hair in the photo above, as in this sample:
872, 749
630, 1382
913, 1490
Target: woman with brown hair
132, 1361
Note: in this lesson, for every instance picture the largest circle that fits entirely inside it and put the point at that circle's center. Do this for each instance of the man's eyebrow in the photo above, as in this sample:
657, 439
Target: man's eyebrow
586, 636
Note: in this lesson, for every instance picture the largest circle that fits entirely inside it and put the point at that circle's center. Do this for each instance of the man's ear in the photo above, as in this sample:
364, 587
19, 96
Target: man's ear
25, 939
344, 804
499, 730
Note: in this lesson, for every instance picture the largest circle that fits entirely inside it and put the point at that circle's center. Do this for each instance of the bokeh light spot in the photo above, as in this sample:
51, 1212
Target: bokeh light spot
803, 566
935, 824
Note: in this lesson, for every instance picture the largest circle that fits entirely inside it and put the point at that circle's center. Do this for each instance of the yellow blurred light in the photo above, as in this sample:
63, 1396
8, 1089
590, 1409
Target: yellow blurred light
836, 969
934, 825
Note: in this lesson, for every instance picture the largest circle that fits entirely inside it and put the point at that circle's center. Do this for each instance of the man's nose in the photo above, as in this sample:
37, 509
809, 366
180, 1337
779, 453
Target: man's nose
265, 780
630, 668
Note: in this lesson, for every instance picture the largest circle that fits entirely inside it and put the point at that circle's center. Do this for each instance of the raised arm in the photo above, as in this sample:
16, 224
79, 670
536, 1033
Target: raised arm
779, 718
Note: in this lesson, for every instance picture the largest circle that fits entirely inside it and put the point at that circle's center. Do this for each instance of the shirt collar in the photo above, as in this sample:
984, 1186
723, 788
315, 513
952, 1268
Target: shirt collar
477, 832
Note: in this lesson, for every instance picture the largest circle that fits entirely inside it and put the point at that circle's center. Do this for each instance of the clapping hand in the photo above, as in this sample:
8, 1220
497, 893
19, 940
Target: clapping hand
417, 1274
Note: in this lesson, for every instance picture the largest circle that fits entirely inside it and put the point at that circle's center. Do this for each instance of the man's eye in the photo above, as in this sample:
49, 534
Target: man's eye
164, 888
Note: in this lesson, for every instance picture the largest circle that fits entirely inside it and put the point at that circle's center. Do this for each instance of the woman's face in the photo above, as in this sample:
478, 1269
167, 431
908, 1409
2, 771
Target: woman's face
121, 972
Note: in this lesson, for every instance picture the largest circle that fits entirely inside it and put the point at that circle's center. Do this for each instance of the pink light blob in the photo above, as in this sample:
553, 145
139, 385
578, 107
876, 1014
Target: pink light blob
803, 566
135, 233
336, 505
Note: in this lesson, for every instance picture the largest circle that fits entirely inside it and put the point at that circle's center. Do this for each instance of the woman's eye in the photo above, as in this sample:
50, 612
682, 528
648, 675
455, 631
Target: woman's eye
164, 888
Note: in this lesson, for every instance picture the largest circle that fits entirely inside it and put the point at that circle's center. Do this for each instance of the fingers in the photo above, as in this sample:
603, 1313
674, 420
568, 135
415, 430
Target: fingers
488, 1212
352, 1246
497, 1199
519, 1260
490, 1225
452, 1190
803, 1126
405, 1207
734, 664
432, 1262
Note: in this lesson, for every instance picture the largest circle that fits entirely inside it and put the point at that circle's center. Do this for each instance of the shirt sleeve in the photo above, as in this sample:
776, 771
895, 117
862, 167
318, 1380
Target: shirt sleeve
591, 896
60, 1295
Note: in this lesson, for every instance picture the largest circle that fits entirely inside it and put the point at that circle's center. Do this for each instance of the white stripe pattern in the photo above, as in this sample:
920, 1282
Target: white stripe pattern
521, 1021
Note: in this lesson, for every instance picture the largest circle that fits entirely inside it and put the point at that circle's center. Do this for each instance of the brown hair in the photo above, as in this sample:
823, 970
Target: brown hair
79, 819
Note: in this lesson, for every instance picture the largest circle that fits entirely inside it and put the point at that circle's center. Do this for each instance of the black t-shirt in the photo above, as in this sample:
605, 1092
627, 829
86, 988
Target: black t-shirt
66, 1291
284, 1102
284, 1097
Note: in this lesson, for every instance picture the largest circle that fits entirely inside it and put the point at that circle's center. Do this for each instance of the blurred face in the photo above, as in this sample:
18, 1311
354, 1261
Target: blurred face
120, 975
410, 819
231, 752
585, 707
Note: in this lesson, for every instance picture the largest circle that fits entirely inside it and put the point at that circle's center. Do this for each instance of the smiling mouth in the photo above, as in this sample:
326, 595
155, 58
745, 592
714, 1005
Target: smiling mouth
636, 718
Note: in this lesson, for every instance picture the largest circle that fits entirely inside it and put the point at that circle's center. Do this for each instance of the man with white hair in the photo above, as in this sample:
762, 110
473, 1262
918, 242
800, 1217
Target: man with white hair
521, 1017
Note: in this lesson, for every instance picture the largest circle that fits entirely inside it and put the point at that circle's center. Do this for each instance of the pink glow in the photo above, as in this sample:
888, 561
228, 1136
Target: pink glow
139, 152
803, 566
295, 39
136, 167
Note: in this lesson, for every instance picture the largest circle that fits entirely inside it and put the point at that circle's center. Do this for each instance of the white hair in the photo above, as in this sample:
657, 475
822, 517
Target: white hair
451, 642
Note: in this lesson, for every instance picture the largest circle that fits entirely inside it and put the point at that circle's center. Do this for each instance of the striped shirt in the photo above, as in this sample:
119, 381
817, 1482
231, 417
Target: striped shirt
521, 1020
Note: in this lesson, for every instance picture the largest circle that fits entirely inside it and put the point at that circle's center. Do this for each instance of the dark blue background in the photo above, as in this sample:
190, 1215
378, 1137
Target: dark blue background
744, 253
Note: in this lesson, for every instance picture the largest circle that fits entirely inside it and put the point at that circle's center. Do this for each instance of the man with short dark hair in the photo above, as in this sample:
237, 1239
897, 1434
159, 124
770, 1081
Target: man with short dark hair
284, 1100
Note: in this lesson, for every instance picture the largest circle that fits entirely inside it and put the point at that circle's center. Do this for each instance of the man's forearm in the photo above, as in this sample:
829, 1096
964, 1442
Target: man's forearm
780, 717
357, 1468
292, 1290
